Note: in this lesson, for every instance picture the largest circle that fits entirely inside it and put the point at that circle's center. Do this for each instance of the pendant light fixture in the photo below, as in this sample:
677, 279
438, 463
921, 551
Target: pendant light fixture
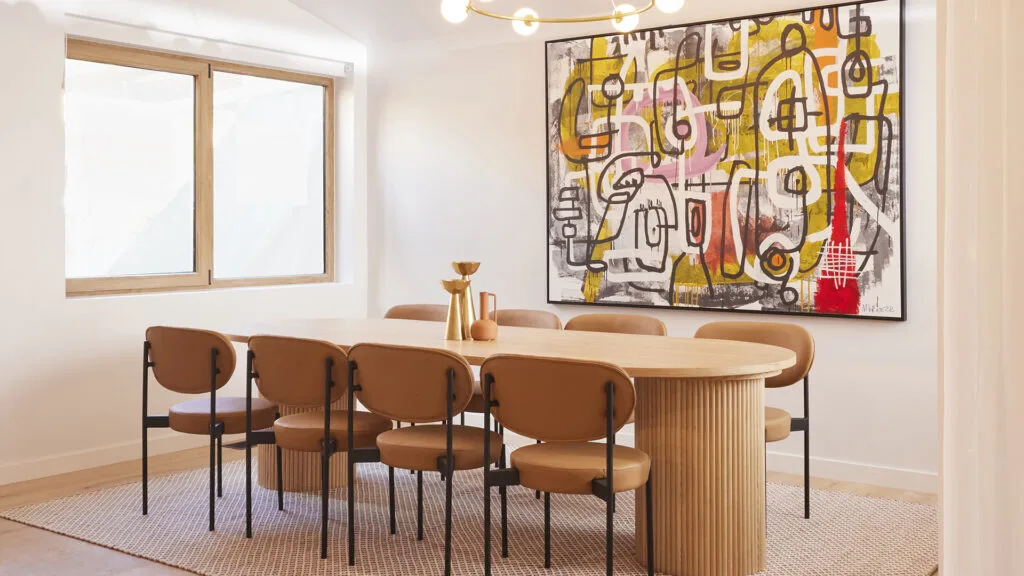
525, 21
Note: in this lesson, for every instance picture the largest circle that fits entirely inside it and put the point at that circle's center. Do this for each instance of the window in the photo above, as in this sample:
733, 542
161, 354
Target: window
185, 173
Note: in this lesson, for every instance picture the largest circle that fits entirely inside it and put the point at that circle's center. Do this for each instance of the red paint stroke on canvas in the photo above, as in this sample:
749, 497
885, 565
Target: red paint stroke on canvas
838, 292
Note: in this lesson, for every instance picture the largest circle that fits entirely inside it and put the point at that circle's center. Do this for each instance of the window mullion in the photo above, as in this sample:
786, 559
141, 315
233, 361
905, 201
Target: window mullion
204, 175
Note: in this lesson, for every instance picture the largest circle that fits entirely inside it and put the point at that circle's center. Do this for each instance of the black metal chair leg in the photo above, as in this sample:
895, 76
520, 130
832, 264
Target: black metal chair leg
391, 496
280, 480
807, 474
807, 447
487, 521
145, 469
213, 476
649, 496
325, 481
448, 519
503, 492
547, 530
248, 488
609, 535
220, 466
504, 521
351, 511
419, 504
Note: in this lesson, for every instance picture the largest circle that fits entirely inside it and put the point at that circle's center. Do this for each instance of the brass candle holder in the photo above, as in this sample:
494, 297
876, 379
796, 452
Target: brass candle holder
467, 269
453, 328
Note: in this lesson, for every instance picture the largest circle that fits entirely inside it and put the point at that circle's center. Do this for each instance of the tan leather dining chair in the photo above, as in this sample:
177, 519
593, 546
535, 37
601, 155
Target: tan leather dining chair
777, 422
425, 312
421, 386
527, 319
305, 374
194, 362
618, 324
567, 405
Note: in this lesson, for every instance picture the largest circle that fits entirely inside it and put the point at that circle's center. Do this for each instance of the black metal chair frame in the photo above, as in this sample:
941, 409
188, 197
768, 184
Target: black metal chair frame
259, 437
602, 488
804, 425
445, 465
797, 425
216, 433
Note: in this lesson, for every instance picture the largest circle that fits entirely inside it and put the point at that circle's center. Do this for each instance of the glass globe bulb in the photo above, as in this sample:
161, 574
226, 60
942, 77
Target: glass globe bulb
626, 23
669, 6
455, 11
528, 27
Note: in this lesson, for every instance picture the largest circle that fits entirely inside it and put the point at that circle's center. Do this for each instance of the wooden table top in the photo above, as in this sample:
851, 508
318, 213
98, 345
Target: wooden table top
639, 356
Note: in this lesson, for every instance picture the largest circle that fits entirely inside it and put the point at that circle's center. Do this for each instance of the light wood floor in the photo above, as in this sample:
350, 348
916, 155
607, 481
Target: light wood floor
30, 551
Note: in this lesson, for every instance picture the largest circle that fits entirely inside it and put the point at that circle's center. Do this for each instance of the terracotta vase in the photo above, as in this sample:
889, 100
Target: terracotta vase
485, 328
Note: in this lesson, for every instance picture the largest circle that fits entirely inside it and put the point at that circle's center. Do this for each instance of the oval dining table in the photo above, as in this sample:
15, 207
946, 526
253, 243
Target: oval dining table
699, 415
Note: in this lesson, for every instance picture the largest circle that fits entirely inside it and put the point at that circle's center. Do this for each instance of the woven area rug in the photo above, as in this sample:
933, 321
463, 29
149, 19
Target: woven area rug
847, 535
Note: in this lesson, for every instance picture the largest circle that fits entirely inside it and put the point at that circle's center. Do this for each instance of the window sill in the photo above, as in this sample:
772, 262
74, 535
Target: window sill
126, 287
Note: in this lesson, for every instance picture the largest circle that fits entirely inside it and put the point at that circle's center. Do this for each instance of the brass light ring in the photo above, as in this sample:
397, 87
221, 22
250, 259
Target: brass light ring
577, 20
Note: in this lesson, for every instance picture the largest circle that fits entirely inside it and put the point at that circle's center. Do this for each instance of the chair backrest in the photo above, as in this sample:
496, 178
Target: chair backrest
557, 400
428, 312
181, 358
618, 324
293, 371
527, 319
409, 384
791, 336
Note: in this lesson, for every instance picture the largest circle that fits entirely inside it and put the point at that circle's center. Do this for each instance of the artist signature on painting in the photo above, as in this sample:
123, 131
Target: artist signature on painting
876, 308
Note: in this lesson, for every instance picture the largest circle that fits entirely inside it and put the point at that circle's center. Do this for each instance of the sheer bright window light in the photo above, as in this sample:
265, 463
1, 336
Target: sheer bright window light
130, 155
268, 194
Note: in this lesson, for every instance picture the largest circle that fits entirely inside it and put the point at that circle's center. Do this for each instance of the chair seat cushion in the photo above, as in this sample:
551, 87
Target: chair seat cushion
570, 467
418, 447
777, 424
193, 417
305, 431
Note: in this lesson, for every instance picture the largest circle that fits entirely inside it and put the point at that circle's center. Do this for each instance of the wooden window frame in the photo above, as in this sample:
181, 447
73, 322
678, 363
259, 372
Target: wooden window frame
203, 278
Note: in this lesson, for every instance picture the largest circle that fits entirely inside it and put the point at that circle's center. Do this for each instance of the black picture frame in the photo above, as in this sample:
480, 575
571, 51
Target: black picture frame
901, 168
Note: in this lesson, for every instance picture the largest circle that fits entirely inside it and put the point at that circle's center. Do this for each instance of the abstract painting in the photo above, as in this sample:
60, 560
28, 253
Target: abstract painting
751, 165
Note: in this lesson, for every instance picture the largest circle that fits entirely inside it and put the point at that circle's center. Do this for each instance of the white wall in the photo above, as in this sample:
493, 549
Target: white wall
459, 174
70, 386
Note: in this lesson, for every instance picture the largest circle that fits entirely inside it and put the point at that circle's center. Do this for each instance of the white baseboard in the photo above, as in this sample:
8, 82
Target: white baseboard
84, 459
857, 472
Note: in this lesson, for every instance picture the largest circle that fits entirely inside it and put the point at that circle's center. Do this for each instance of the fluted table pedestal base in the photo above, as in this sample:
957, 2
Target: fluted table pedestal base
706, 442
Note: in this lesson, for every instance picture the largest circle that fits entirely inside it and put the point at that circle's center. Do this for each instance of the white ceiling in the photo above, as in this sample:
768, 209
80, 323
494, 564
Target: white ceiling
385, 25
380, 21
